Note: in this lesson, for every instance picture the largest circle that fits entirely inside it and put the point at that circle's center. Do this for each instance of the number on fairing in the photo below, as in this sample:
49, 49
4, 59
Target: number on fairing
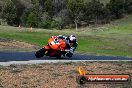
52, 43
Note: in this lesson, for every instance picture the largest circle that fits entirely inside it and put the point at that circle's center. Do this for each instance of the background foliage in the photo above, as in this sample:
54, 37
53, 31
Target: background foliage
61, 14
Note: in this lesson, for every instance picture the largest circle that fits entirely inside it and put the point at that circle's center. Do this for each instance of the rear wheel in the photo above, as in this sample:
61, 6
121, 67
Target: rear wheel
40, 53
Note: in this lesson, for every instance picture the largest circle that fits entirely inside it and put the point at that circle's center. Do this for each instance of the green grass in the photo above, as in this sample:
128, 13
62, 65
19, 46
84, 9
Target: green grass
113, 39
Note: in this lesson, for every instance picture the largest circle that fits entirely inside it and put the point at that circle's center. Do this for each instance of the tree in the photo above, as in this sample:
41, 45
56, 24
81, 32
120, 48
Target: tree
94, 11
9, 13
49, 7
59, 5
32, 19
1, 5
45, 21
128, 6
74, 8
61, 19
32, 15
20, 7
116, 8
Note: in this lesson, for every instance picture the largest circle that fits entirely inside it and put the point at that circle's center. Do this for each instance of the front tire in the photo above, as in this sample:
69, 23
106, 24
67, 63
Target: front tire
69, 54
40, 53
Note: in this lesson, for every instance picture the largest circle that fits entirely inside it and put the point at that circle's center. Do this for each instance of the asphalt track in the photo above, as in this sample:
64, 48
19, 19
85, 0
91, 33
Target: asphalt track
27, 56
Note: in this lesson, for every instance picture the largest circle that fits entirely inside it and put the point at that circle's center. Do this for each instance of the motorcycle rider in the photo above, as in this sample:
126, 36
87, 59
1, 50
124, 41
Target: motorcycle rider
70, 41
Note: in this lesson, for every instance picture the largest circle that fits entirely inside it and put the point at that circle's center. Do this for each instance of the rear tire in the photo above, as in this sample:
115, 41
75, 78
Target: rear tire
40, 53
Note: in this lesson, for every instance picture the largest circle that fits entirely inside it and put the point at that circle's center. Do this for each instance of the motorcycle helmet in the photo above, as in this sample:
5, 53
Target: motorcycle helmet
72, 39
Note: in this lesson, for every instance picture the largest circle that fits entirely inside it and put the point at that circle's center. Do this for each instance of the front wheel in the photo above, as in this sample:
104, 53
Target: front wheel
40, 53
69, 54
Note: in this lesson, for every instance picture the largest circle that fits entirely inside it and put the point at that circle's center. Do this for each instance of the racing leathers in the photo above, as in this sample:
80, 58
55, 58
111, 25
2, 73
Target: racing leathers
71, 45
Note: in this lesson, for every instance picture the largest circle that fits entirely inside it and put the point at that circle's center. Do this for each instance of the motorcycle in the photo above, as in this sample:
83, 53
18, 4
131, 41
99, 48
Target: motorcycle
56, 47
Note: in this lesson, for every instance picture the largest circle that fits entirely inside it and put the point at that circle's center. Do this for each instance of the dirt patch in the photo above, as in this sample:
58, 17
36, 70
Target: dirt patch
14, 45
60, 75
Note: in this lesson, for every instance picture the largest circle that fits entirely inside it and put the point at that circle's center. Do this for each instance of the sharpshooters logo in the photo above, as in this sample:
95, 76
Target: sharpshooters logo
101, 78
